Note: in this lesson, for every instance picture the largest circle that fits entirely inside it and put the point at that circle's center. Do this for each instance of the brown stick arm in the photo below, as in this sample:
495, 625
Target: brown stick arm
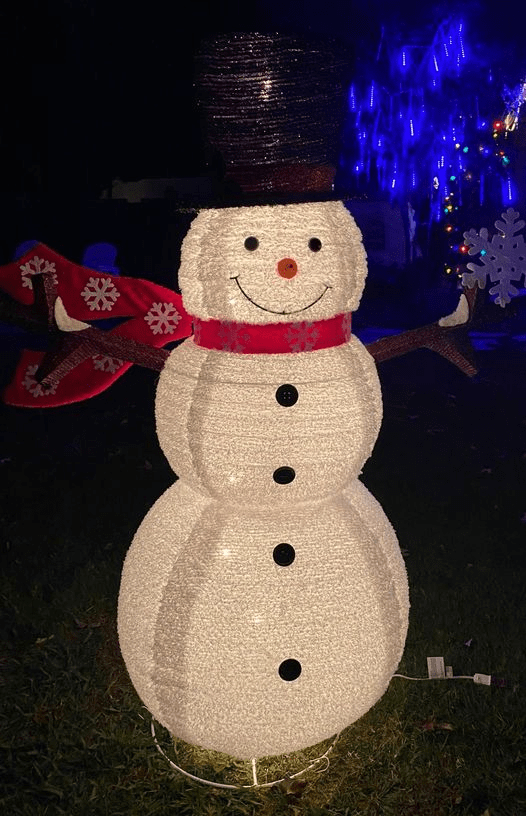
74, 347
450, 342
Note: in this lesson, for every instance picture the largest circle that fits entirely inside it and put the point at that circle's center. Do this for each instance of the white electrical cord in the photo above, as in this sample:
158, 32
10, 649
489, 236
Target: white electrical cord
481, 679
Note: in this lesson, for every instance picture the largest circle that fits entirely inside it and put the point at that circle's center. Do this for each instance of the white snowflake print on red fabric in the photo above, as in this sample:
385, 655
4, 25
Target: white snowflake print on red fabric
100, 294
33, 386
302, 336
233, 338
36, 266
162, 318
102, 362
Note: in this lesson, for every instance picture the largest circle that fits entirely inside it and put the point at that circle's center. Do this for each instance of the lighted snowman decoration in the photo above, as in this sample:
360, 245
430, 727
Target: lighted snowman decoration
264, 600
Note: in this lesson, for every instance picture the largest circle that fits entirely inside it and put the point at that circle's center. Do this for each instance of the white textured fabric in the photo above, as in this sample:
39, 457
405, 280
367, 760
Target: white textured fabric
208, 617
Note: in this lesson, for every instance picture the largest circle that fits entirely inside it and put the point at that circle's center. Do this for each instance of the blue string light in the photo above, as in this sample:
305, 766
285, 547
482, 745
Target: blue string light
509, 194
427, 117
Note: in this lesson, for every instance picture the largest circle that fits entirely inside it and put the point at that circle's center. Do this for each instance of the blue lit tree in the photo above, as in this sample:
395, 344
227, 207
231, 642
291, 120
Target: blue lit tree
429, 130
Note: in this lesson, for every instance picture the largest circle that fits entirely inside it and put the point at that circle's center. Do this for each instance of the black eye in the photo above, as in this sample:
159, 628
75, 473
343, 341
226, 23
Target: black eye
315, 244
251, 243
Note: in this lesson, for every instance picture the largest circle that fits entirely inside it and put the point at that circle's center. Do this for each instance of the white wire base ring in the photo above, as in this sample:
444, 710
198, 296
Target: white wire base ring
255, 783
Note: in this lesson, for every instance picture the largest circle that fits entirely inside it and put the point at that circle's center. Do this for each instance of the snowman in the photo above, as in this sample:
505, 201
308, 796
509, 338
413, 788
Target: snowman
264, 600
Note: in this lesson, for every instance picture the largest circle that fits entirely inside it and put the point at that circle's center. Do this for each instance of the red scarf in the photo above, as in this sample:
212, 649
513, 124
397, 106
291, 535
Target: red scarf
155, 317
272, 338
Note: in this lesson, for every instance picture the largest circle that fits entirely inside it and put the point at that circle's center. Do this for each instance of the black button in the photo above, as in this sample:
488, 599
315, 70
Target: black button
284, 475
289, 669
284, 555
287, 395
251, 243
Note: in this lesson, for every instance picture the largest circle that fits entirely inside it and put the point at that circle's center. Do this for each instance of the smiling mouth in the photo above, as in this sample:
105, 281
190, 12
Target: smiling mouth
274, 311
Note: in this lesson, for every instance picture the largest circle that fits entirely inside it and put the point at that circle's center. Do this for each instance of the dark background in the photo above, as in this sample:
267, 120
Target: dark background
94, 90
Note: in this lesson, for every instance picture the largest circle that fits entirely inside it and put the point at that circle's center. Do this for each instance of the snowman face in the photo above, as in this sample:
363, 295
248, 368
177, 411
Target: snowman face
270, 264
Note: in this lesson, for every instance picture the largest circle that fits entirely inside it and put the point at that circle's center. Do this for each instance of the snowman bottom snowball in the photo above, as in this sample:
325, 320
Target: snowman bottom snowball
241, 645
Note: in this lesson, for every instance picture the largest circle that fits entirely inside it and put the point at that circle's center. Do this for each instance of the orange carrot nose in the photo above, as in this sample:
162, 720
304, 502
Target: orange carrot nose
287, 267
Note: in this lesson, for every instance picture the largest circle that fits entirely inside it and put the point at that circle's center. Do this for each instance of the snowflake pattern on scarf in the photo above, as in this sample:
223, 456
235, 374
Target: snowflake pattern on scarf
35, 388
233, 338
302, 336
37, 266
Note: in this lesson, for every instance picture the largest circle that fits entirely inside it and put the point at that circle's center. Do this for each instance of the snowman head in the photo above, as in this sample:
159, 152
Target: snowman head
273, 263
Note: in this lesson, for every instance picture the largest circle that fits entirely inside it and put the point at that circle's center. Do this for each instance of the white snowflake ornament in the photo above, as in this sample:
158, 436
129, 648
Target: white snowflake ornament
503, 258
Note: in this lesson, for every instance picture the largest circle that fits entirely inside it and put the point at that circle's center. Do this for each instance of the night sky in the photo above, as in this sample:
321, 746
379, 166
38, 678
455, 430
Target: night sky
93, 91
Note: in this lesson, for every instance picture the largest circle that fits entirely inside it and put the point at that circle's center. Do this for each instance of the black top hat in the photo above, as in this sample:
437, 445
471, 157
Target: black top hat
272, 108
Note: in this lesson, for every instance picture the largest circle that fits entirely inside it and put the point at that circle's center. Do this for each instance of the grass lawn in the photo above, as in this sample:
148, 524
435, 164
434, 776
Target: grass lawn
449, 469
